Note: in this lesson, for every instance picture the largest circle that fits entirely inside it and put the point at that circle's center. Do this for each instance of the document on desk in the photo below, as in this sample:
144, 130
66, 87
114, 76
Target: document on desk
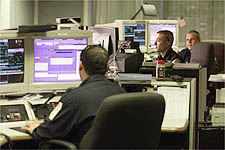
177, 106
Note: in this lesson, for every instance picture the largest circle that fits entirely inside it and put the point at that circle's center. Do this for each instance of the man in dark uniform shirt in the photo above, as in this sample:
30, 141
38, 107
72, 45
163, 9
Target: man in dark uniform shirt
192, 38
163, 45
76, 110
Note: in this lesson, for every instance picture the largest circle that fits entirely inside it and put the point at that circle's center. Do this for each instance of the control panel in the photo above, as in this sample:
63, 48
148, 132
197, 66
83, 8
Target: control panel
43, 110
12, 113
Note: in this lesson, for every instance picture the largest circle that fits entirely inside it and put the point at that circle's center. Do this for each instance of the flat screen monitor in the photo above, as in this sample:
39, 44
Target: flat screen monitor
135, 31
157, 25
55, 61
13, 78
107, 37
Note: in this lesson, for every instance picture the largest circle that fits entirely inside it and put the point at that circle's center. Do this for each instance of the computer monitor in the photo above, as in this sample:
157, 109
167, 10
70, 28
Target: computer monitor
56, 59
157, 25
108, 37
13, 64
133, 30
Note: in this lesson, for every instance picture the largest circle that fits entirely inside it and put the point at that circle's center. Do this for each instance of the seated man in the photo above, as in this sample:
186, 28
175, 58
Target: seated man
192, 38
76, 110
163, 44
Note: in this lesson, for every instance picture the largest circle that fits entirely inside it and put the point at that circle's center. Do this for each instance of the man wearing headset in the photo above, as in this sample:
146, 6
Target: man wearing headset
76, 110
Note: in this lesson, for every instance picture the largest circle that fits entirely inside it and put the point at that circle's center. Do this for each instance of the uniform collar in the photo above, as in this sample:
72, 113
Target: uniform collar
94, 77
168, 53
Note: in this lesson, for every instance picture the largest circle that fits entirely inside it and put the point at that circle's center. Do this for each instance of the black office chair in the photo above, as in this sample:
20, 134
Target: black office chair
124, 121
204, 54
219, 48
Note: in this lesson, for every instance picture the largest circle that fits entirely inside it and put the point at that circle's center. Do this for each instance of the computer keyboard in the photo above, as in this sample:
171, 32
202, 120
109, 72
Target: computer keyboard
20, 130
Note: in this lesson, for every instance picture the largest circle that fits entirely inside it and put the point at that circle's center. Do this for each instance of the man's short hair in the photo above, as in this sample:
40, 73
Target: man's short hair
168, 34
95, 59
196, 33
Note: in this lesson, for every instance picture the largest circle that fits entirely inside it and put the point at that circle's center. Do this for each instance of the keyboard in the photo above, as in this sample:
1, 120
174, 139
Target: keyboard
20, 130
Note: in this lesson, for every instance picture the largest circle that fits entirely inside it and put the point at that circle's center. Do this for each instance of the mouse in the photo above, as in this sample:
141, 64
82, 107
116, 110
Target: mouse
177, 78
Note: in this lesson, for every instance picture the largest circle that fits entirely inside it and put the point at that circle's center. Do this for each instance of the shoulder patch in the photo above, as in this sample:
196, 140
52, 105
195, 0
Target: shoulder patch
55, 111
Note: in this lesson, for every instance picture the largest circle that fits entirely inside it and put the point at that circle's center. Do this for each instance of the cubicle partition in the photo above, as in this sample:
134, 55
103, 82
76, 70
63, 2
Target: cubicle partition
180, 113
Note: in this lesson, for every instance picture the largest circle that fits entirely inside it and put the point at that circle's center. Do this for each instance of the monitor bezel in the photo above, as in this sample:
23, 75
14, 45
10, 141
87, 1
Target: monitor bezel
121, 24
45, 87
175, 22
16, 88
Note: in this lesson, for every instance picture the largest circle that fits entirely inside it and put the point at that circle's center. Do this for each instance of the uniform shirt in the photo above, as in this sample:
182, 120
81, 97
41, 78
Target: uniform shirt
78, 104
170, 56
185, 55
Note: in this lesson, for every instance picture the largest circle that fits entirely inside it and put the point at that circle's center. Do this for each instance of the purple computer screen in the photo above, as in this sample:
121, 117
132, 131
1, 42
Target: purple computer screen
154, 28
57, 60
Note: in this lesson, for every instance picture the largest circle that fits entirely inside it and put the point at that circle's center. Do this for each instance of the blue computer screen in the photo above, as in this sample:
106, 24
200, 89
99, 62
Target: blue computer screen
11, 61
135, 32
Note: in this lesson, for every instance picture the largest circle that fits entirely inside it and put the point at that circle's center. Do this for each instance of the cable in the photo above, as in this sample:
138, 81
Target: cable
10, 143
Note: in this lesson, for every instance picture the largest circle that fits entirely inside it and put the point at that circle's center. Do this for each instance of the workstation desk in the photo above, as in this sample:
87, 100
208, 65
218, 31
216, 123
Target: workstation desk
14, 114
169, 126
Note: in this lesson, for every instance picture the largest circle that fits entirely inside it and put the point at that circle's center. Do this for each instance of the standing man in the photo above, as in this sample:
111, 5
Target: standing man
76, 110
192, 38
163, 44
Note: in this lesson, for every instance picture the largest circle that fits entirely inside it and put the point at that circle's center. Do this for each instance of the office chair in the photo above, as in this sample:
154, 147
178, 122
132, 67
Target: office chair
204, 54
219, 48
219, 67
124, 121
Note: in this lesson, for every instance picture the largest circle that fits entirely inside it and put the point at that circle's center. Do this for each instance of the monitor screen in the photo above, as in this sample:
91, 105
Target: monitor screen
57, 59
54, 59
12, 61
154, 28
12, 66
135, 32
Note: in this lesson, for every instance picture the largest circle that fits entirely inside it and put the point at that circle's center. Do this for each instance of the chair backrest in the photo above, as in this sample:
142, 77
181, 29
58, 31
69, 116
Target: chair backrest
204, 54
219, 48
128, 120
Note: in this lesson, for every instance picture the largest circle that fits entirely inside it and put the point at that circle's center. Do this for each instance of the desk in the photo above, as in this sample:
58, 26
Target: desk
14, 113
217, 78
176, 130
211, 137
190, 84
13, 134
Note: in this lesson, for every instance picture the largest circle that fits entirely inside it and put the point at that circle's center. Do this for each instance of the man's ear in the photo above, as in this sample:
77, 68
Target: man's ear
81, 67
168, 43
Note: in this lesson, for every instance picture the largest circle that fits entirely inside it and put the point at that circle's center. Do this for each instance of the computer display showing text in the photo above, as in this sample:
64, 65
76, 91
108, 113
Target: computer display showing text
135, 32
57, 59
11, 61
154, 28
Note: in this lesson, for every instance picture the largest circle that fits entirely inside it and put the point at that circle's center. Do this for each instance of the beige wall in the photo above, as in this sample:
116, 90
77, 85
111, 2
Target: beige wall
48, 11
205, 16
15, 12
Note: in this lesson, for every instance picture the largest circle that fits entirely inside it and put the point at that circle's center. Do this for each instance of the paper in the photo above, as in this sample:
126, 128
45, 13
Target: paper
177, 105
220, 95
